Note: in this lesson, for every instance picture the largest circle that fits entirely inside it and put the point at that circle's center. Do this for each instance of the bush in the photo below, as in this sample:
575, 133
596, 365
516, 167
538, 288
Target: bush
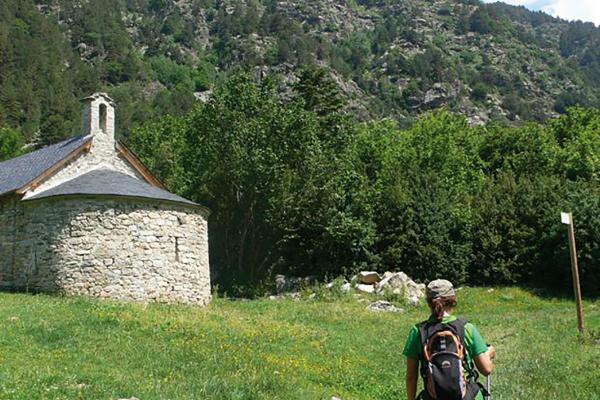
480, 91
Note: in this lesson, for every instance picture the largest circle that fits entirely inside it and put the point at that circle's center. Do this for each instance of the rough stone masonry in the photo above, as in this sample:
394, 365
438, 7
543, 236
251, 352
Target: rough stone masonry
119, 241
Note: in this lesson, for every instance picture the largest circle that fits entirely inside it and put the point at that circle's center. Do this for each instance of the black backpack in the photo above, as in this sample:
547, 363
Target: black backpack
445, 371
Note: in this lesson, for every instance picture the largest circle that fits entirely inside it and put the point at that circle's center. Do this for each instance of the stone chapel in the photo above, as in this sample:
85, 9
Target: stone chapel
86, 217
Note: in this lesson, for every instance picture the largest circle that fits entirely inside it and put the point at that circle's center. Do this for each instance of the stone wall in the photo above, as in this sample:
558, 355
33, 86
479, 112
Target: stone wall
107, 247
10, 214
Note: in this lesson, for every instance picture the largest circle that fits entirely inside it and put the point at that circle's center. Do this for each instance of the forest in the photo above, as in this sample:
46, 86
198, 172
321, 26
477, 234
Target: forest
300, 188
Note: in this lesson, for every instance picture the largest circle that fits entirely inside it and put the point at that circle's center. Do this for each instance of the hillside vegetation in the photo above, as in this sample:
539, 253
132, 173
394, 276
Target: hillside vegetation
300, 188
390, 58
75, 348
302, 173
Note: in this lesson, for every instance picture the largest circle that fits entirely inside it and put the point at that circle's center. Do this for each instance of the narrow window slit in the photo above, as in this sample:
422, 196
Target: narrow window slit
102, 117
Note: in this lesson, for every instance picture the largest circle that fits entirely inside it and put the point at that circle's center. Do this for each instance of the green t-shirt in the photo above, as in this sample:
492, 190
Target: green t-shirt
475, 343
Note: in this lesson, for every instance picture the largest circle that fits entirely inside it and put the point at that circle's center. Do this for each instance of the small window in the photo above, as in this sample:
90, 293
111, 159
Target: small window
103, 117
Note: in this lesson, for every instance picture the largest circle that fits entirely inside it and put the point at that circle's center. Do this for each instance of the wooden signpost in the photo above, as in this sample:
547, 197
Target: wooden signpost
567, 218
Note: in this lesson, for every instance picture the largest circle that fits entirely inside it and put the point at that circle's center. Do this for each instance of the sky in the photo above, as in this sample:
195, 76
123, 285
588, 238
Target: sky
585, 10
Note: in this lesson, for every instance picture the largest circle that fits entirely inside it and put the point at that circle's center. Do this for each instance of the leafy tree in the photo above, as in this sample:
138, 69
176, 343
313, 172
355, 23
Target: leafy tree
318, 91
11, 143
481, 22
528, 150
515, 226
162, 147
577, 135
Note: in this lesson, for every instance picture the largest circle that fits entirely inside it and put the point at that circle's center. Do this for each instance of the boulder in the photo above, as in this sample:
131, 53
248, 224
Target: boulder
382, 305
365, 288
392, 281
386, 275
413, 301
344, 286
294, 295
414, 289
368, 277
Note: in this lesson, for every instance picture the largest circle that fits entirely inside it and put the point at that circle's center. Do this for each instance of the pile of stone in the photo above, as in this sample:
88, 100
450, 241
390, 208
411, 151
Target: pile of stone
390, 282
397, 283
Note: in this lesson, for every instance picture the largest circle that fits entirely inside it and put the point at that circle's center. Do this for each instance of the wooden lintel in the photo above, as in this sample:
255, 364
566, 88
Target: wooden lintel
35, 182
139, 166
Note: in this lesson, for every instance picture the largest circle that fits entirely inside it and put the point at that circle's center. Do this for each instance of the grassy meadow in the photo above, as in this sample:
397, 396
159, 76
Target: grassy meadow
77, 348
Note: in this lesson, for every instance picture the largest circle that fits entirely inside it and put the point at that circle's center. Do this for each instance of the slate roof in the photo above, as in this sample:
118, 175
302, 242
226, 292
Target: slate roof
109, 182
17, 172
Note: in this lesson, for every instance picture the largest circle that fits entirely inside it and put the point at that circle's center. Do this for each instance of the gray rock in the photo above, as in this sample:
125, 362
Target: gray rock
346, 287
365, 288
287, 284
392, 281
368, 277
294, 295
413, 301
386, 275
382, 305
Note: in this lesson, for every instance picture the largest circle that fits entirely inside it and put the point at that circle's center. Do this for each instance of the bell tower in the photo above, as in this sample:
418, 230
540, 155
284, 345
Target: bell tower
99, 120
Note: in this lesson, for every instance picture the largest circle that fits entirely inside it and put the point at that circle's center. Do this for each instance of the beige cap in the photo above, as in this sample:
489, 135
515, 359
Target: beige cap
440, 288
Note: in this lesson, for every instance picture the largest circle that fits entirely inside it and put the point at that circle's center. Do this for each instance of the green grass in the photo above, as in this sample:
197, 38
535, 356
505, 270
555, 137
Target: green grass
76, 348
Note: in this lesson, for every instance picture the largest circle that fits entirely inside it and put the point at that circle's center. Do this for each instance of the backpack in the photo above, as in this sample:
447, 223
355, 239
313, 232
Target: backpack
444, 370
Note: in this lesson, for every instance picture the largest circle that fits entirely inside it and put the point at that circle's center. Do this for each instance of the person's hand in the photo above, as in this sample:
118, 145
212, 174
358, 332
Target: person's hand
491, 351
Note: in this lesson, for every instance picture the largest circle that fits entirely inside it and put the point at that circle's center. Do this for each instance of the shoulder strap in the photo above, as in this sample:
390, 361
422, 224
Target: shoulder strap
426, 329
459, 325
423, 332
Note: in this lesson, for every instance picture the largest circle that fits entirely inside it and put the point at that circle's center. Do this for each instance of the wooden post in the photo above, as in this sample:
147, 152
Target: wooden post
567, 218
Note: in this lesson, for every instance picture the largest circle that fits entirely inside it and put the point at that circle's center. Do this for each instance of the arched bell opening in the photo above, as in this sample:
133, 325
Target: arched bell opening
103, 117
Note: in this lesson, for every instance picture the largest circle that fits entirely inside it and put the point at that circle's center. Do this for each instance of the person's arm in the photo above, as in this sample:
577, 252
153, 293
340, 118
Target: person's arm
412, 375
480, 351
484, 361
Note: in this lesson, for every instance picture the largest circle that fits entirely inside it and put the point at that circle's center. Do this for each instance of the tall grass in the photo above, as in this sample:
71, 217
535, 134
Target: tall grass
77, 348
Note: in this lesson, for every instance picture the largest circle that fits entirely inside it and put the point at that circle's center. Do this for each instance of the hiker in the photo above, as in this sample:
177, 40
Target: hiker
446, 347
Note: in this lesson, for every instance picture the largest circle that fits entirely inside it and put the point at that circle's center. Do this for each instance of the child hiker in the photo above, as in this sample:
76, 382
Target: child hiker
448, 349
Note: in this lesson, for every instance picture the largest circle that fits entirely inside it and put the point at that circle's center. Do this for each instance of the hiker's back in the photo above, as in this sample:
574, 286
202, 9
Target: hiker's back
447, 349
447, 371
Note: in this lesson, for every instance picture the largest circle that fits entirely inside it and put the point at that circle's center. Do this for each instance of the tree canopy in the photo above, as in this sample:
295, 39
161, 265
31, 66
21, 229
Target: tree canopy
293, 193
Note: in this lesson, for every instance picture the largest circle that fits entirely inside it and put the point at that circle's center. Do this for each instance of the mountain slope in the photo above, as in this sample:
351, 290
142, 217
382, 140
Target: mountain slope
390, 58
